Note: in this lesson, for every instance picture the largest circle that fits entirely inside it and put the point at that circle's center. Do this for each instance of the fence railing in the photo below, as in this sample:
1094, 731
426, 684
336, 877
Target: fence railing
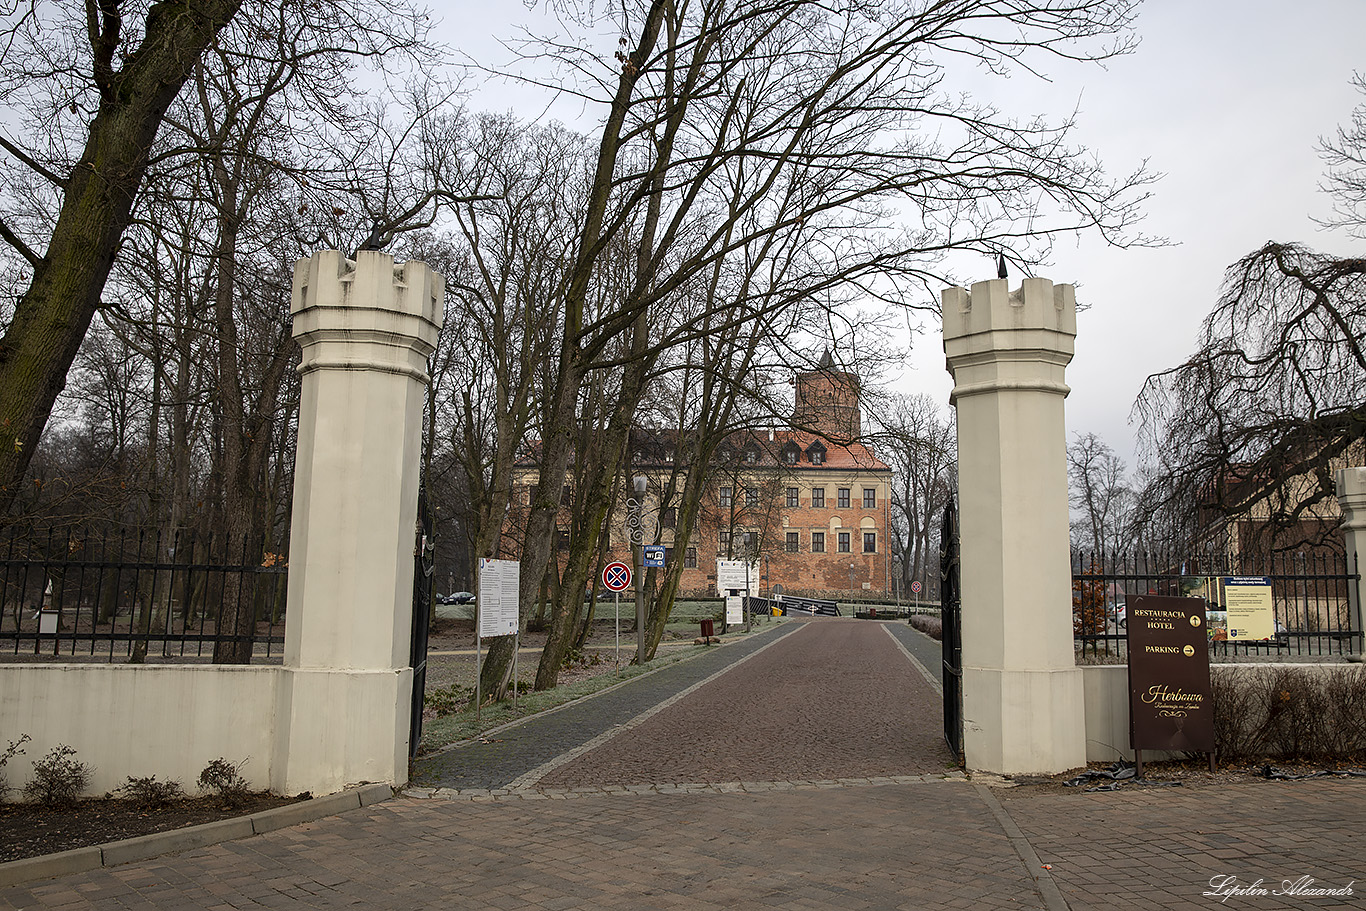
1313, 597
137, 595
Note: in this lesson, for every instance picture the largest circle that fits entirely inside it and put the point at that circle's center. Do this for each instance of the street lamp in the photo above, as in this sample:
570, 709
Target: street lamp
634, 506
851, 583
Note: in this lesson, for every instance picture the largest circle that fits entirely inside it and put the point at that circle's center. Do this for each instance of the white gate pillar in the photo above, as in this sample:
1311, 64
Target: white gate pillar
1023, 710
366, 328
1351, 490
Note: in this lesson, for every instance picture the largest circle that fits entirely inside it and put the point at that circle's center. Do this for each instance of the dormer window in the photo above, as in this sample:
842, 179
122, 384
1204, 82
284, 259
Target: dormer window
751, 455
816, 453
792, 453
817, 457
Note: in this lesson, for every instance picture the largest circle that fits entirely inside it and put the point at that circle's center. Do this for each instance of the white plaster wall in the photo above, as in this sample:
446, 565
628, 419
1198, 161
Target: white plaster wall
141, 720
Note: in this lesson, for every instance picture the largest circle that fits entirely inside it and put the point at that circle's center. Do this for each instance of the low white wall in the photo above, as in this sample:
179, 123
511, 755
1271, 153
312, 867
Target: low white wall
1107, 706
140, 720
1106, 698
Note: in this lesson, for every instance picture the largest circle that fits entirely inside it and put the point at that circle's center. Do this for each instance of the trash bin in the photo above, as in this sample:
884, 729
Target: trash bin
708, 629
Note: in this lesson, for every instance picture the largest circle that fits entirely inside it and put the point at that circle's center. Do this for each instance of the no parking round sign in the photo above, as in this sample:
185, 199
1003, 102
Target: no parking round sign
616, 576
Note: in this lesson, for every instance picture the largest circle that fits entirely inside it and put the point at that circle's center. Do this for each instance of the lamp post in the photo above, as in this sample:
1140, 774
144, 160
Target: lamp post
634, 506
851, 585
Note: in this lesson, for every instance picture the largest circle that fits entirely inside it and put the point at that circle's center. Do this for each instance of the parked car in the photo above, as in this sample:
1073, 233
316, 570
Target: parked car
1115, 618
459, 598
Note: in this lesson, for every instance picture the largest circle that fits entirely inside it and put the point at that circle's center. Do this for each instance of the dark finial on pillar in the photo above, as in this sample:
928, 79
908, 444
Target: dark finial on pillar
1001, 266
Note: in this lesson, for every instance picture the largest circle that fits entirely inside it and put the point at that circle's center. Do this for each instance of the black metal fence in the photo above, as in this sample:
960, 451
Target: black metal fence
1314, 598
137, 595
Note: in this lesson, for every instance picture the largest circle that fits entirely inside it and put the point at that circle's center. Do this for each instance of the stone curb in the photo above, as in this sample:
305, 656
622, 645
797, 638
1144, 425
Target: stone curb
675, 788
81, 860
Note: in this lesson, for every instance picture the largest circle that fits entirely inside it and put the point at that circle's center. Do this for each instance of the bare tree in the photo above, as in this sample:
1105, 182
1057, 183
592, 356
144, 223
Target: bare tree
1101, 497
1274, 398
117, 85
921, 448
731, 123
90, 91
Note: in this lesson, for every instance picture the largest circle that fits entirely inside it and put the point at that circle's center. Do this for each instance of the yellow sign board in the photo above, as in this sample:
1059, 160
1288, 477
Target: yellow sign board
1247, 600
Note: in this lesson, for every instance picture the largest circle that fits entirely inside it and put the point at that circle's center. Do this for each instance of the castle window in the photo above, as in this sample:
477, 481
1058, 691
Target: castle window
723, 539
869, 498
842, 498
751, 455
818, 498
670, 517
844, 542
793, 541
725, 495
870, 542
690, 558
792, 498
818, 542
751, 497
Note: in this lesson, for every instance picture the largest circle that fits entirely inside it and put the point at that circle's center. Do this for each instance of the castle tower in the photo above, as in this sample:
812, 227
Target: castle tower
827, 401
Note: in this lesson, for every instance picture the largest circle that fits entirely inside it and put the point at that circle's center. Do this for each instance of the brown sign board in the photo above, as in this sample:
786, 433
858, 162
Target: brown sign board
1170, 703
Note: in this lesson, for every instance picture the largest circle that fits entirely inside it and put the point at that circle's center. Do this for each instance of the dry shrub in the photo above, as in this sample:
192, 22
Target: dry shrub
929, 625
59, 778
15, 748
1294, 712
1289, 714
1235, 734
148, 793
225, 779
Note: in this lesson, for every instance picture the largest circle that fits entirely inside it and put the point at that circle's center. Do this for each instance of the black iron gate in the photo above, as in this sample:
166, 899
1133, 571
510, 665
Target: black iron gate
949, 605
424, 553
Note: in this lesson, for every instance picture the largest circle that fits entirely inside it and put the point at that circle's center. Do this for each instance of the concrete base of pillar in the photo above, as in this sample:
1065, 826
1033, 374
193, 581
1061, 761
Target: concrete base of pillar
337, 728
1021, 722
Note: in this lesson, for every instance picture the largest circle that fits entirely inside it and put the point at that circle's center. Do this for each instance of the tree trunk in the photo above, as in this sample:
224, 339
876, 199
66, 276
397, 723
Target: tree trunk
53, 315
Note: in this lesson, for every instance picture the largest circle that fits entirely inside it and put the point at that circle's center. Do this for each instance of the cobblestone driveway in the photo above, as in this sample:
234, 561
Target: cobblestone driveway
762, 832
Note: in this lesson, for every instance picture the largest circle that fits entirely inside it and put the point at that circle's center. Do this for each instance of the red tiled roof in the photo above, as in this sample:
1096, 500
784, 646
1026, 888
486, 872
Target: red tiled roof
652, 446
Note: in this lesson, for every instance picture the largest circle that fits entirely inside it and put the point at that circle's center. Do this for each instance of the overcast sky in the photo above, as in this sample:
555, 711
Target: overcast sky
1226, 98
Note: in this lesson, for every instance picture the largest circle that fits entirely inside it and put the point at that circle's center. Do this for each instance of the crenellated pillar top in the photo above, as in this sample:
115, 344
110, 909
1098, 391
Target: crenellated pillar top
998, 340
369, 313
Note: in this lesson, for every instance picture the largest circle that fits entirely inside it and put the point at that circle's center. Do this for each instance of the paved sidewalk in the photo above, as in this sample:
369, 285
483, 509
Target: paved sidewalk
905, 835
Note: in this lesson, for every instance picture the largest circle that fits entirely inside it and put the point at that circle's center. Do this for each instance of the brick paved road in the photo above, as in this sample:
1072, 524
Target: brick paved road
517, 750
899, 842
835, 699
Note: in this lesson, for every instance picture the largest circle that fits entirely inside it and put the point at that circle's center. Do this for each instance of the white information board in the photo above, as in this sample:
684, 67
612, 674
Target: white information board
498, 590
731, 576
735, 609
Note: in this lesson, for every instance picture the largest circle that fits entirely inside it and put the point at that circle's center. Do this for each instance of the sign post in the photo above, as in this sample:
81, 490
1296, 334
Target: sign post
616, 576
1171, 706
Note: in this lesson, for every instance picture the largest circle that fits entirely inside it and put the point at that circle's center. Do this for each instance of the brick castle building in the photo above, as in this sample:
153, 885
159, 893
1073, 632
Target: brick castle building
808, 502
